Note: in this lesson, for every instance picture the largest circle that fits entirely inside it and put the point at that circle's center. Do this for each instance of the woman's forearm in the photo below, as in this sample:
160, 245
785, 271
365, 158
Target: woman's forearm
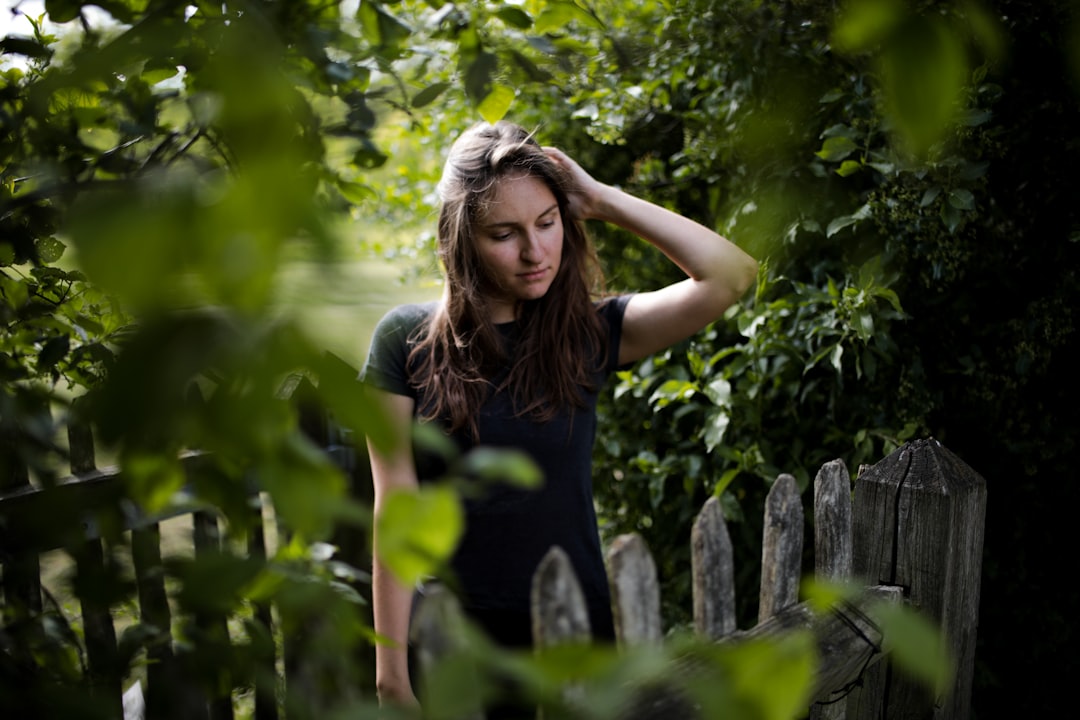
704, 255
391, 606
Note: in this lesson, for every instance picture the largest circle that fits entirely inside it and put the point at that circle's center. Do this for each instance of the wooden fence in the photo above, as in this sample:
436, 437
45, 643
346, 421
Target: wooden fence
913, 532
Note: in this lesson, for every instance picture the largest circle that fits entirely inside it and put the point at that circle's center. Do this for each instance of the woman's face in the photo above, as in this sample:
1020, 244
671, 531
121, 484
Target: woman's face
519, 239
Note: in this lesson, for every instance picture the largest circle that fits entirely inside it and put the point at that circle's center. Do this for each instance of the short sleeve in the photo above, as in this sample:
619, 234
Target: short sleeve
386, 367
612, 311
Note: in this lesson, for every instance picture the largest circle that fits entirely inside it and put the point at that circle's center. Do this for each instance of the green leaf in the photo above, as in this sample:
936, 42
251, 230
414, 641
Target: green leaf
49, 249
823, 595
478, 76
510, 466
557, 15
368, 155
916, 646
153, 480
514, 17
839, 223
974, 117
429, 94
716, 424
534, 73
864, 325
924, 70
153, 77
52, 352
418, 530
672, 390
495, 106
24, 46
214, 581
62, 11
352, 403
379, 27
769, 679
962, 199
355, 192
836, 148
725, 481
719, 392
308, 490
951, 217
838, 130
849, 167
864, 23
844, 221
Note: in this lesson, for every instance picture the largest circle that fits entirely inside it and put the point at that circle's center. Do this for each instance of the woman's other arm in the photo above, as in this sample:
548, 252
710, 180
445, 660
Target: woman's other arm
391, 601
719, 271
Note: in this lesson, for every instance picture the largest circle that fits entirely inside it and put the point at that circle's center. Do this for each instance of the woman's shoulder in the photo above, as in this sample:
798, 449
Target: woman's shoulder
612, 307
405, 318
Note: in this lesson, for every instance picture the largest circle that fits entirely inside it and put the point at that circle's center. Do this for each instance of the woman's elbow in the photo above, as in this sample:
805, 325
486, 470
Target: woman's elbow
748, 275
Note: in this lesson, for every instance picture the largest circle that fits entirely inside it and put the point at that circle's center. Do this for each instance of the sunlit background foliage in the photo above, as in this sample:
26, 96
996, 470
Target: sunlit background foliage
902, 169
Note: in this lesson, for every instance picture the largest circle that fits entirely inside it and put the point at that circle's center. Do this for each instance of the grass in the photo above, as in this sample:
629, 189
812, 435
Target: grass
338, 305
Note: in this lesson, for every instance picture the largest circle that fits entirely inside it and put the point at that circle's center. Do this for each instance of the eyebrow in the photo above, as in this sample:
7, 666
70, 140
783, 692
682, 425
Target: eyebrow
508, 223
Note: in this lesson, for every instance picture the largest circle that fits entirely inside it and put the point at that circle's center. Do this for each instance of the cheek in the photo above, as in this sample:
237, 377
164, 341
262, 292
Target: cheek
560, 248
494, 259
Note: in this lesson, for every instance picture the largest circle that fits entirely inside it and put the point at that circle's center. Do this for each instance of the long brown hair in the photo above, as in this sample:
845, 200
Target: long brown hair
562, 341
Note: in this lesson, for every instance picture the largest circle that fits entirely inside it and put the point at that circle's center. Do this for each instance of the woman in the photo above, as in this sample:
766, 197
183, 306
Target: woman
514, 354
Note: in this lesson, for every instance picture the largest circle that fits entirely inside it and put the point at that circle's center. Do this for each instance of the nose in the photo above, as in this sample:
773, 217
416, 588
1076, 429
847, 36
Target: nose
531, 250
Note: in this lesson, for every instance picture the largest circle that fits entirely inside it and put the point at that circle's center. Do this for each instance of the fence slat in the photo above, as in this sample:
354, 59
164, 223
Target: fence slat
832, 548
713, 568
558, 607
207, 538
265, 687
558, 610
781, 548
154, 612
80, 442
635, 591
102, 657
832, 522
933, 507
436, 634
22, 571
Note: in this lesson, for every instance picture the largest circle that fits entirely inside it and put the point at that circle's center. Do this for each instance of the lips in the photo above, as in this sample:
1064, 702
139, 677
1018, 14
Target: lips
534, 275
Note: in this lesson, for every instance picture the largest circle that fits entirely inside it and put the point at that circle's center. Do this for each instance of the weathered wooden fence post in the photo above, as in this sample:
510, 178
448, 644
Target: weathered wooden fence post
635, 591
781, 548
713, 567
919, 525
832, 550
436, 633
559, 613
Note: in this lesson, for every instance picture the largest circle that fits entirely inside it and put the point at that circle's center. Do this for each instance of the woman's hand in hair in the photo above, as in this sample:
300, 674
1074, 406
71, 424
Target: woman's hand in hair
586, 192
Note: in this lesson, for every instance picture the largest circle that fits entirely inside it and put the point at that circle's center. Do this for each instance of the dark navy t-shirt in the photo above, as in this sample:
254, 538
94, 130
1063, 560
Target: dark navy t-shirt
510, 529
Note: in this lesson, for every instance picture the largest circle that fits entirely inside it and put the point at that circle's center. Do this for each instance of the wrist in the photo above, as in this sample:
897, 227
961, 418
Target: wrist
607, 203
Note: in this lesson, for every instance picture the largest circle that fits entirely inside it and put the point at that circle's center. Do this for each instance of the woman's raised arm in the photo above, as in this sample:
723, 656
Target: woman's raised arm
719, 271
